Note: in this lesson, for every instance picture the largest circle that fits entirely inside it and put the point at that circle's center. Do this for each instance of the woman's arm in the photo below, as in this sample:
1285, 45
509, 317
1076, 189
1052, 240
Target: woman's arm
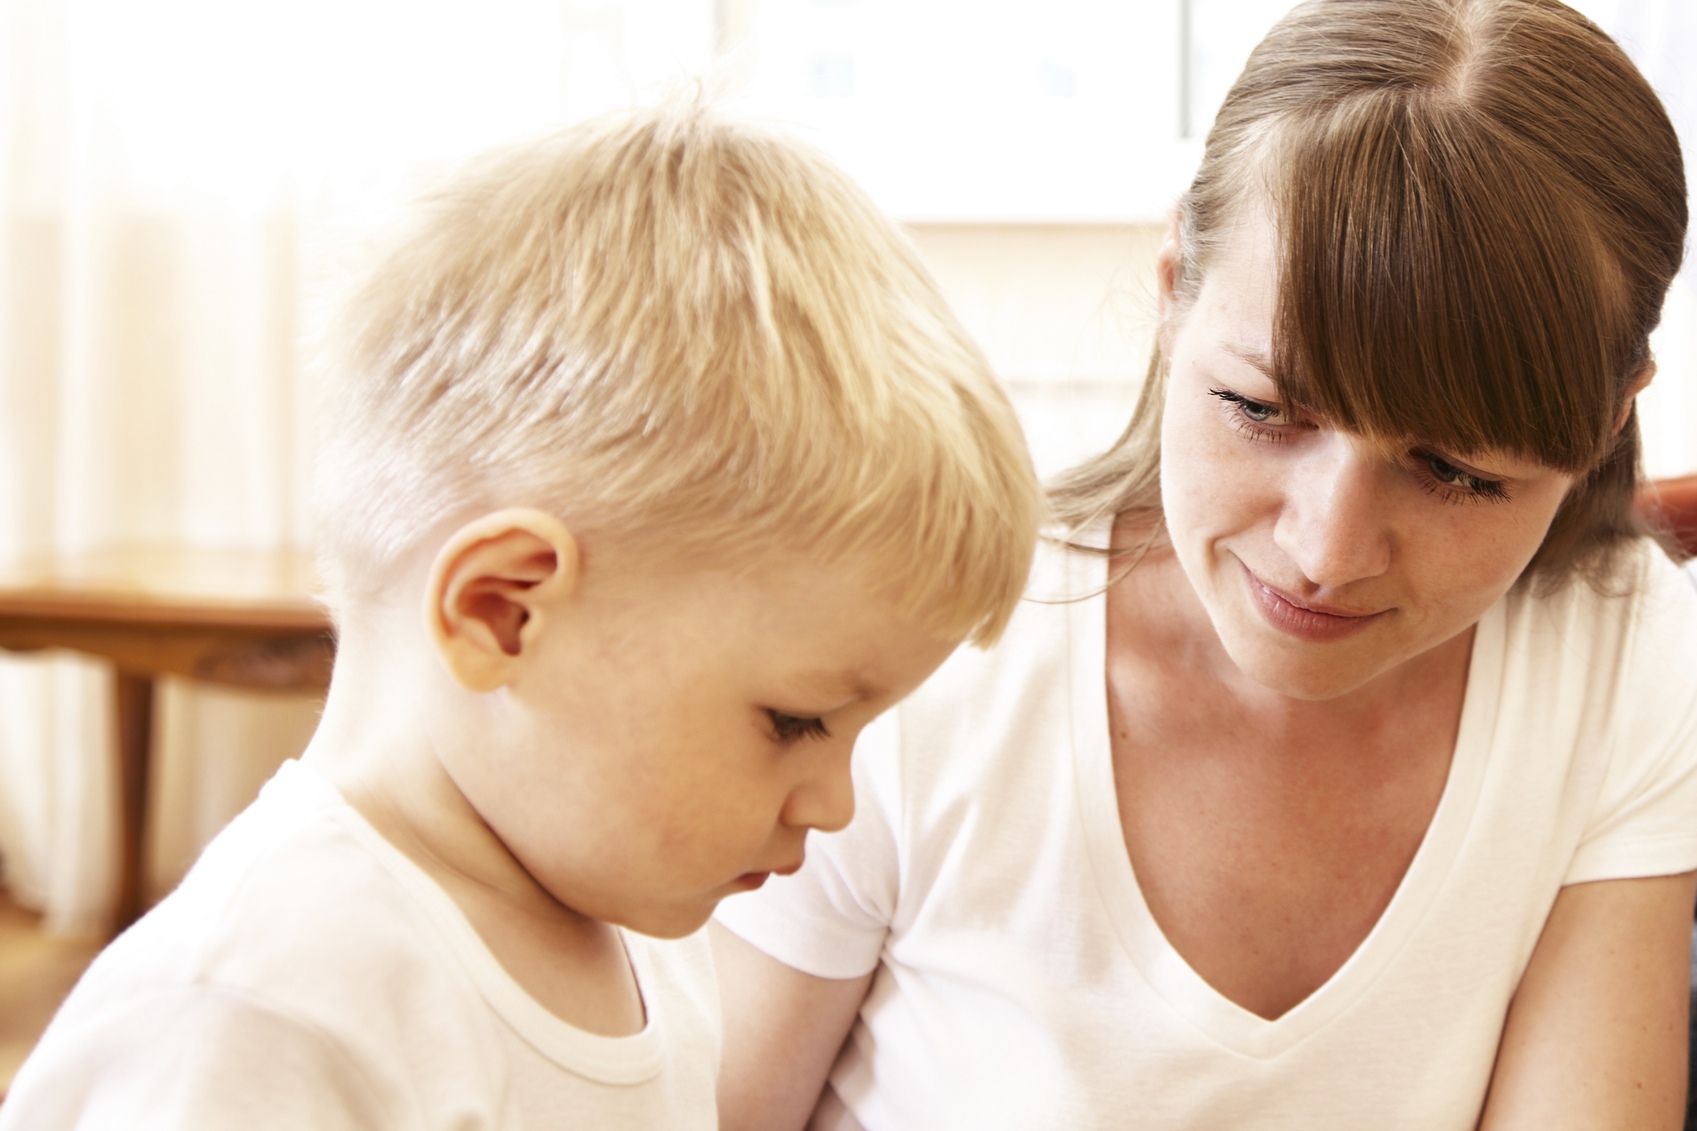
782, 1032
1596, 1034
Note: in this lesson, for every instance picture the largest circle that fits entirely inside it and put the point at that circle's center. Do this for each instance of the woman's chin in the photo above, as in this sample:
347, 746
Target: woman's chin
1303, 670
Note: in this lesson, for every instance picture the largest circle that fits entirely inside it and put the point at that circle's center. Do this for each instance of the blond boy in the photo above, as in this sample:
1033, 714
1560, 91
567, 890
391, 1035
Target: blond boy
662, 469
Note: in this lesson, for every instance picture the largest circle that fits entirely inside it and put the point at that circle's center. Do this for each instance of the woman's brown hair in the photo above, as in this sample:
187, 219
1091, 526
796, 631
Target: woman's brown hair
1480, 205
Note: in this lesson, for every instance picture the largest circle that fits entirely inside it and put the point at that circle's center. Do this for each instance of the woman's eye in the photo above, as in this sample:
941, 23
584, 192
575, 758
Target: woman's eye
1255, 412
1463, 482
794, 728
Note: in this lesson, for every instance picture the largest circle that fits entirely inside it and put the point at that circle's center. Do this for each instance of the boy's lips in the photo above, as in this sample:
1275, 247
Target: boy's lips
752, 880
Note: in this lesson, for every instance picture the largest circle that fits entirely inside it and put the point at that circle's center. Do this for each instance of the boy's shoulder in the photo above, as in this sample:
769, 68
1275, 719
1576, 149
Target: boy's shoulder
290, 948
306, 967
298, 905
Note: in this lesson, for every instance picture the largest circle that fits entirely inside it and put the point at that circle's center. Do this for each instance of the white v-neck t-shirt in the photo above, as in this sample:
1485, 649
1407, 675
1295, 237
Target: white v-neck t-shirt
306, 974
1021, 981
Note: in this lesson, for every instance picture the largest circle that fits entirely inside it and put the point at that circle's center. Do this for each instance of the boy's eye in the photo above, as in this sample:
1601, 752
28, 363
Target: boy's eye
794, 728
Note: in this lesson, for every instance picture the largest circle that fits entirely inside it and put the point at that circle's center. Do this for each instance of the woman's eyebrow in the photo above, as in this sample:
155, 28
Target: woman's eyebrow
1254, 357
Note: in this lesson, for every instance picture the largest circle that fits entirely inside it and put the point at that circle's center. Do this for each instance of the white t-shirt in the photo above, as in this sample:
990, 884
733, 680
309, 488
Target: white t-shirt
308, 975
1021, 981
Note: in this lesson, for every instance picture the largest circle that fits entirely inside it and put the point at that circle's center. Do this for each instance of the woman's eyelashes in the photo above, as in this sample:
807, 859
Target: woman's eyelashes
1436, 475
1444, 479
1257, 419
789, 729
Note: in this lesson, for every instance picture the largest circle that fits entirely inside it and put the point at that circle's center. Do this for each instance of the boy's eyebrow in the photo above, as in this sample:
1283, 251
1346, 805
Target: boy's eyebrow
849, 681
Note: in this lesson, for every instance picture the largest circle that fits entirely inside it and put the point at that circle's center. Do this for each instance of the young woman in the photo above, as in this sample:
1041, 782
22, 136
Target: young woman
1341, 771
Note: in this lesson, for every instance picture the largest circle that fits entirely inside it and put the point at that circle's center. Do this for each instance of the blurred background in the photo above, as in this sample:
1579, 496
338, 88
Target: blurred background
184, 184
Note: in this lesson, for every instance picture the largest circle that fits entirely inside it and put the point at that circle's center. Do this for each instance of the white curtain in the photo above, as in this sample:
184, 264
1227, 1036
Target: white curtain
182, 183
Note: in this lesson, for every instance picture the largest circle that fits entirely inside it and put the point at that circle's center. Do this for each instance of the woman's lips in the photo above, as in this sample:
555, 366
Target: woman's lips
1305, 620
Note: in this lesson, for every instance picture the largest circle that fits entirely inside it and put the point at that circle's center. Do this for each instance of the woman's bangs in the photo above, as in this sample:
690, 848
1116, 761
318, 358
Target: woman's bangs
1436, 289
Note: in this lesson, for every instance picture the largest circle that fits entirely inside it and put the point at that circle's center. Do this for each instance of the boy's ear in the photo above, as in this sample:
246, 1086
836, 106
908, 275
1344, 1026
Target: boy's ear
491, 586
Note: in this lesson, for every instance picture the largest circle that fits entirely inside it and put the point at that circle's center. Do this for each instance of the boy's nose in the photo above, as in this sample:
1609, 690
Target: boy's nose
1333, 523
824, 800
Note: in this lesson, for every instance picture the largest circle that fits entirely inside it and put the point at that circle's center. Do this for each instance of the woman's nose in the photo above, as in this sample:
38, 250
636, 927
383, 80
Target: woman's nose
1334, 523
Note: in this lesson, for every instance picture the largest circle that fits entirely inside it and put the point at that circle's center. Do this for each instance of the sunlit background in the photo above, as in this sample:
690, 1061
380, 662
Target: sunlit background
184, 183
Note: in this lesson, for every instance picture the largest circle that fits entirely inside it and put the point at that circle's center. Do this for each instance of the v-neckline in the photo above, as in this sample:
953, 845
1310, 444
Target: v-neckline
1166, 971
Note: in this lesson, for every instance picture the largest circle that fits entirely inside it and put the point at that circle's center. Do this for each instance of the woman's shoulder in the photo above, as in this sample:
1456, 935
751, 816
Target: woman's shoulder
1627, 643
1064, 592
1019, 693
1600, 682
1644, 592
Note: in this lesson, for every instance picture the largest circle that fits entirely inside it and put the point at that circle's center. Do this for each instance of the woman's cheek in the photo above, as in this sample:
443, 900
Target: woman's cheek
1222, 479
1467, 562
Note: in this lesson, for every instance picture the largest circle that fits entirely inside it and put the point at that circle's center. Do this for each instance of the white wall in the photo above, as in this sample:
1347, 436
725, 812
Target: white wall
1065, 314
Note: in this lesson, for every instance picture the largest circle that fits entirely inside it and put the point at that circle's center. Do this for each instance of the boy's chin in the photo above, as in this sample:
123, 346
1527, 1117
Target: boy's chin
668, 922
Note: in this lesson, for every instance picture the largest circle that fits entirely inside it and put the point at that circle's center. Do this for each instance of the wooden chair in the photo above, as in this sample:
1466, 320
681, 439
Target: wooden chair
1670, 506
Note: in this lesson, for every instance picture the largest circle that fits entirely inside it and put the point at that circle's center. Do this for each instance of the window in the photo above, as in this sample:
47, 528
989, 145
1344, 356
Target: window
995, 111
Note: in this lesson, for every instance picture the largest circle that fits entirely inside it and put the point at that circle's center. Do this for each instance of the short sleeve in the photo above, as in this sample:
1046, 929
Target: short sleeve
201, 1059
830, 919
1644, 822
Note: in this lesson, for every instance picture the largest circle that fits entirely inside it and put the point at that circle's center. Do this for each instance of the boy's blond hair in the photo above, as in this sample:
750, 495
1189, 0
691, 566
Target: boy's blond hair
690, 336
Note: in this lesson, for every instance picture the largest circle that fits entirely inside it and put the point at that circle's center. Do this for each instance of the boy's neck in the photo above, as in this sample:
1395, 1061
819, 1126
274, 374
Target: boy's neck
371, 746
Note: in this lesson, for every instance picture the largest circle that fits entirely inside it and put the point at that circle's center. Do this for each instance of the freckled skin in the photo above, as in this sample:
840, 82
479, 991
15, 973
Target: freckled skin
1286, 675
1430, 540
